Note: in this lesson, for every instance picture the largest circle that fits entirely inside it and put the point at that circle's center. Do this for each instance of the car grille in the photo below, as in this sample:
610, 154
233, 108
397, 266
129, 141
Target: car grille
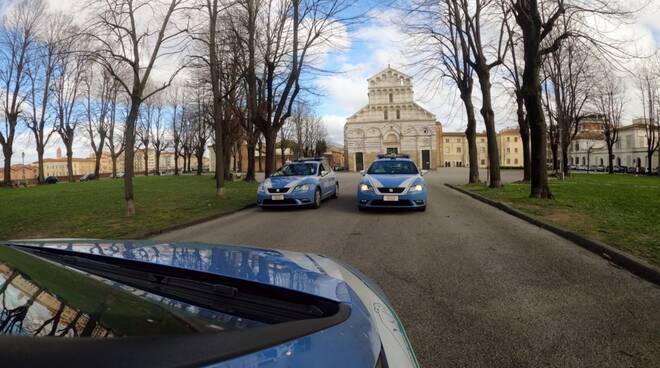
400, 203
391, 190
285, 202
278, 190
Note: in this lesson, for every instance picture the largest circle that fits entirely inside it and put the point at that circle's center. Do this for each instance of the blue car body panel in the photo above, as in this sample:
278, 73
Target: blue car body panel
356, 342
400, 185
286, 186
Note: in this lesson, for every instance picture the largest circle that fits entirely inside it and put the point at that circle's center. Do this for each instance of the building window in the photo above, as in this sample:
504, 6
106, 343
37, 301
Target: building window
515, 161
483, 140
508, 161
458, 140
483, 149
508, 139
508, 150
458, 149
577, 146
398, 114
391, 98
515, 150
446, 140
483, 162
515, 139
385, 114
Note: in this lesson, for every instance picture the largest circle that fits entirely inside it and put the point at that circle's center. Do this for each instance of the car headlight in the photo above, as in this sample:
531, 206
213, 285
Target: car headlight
365, 188
261, 188
417, 188
302, 188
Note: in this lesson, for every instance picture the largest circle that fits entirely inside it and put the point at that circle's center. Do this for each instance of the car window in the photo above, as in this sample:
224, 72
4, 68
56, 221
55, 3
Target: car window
393, 167
321, 169
298, 169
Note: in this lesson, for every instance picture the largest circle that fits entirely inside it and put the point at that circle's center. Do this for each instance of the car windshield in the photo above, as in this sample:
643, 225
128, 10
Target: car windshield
393, 167
302, 169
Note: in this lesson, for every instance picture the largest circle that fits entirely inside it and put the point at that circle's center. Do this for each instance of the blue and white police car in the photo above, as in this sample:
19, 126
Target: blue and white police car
392, 181
305, 182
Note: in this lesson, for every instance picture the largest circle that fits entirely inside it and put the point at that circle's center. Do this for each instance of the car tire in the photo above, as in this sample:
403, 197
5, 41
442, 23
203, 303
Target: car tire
336, 193
362, 208
317, 199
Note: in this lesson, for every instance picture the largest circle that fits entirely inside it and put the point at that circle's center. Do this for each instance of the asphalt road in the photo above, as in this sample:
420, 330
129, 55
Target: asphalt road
474, 286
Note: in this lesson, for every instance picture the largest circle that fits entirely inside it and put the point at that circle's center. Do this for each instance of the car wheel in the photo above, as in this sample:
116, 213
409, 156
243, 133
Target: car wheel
317, 199
362, 208
336, 194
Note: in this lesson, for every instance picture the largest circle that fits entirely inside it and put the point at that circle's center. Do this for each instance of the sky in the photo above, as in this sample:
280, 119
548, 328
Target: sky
369, 46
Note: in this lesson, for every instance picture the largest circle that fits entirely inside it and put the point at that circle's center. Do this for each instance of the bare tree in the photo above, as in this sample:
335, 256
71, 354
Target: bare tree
649, 87
72, 67
18, 32
568, 69
442, 46
610, 102
98, 106
537, 21
177, 104
277, 38
513, 64
130, 51
143, 132
115, 138
159, 138
41, 72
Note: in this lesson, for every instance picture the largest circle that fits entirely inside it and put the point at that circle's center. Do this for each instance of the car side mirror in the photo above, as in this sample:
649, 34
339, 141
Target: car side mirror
362, 172
324, 173
424, 172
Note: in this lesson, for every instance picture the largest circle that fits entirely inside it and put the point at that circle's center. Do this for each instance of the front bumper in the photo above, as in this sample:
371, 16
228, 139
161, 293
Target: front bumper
406, 200
293, 199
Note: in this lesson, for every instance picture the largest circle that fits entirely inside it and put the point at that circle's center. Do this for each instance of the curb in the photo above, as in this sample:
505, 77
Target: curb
636, 266
191, 223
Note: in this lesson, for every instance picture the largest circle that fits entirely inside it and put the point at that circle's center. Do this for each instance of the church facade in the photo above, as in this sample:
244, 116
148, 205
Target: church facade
392, 123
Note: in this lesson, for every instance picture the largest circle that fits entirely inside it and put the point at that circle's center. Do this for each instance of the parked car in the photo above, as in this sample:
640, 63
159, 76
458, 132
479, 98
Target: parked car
119, 175
88, 177
601, 168
305, 182
339, 168
50, 180
619, 169
392, 181
143, 304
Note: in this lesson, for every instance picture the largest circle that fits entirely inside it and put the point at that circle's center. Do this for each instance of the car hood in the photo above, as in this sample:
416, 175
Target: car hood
391, 181
372, 321
286, 181
291, 270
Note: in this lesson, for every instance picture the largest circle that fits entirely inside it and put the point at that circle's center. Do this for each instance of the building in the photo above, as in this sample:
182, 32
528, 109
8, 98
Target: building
21, 172
391, 123
590, 149
455, 150
510, 146
335, 156
58, 166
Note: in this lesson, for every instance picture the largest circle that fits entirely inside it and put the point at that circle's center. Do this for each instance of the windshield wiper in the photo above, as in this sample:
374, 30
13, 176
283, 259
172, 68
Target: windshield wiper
246, 299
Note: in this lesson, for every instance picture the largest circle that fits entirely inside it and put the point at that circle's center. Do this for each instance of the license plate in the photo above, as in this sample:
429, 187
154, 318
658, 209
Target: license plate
388, 198
278, 197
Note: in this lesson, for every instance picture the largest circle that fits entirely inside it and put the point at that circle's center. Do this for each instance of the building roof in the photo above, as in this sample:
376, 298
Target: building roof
388, 69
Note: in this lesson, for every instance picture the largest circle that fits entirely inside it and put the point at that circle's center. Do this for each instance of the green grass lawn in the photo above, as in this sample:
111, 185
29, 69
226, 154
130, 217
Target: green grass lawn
97, 209
620, 210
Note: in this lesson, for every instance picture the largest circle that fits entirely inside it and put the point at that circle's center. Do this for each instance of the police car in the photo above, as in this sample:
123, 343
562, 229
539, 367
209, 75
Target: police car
305, 182
392, 181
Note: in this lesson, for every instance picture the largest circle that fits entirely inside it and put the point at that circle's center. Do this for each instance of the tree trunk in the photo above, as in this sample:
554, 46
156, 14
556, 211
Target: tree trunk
555, 156
69, 161
219, 162
129, 152
489, 121
471, 135
227, 164
146, 162
114, 165
524, 135
7, 168
200, 164
260, 146
40, 160
97, 166
610, 158
271, 159
176, 162
250, 173
538, 133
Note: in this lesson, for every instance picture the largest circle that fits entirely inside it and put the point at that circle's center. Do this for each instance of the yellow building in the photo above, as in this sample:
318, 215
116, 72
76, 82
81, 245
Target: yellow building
58, 166
511, 149
455, 150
